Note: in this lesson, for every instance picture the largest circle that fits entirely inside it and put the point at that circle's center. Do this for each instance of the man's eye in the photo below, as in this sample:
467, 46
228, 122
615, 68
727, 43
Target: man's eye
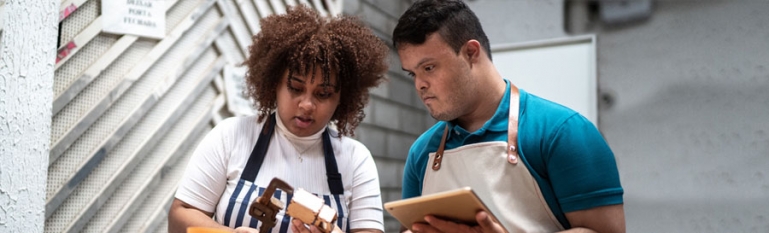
429, 68
411, 74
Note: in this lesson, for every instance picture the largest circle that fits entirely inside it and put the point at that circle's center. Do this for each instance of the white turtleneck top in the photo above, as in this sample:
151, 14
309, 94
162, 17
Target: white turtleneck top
216, 165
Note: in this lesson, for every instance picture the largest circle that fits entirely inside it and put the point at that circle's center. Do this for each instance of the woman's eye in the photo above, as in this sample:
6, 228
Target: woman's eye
324, 95
293, 89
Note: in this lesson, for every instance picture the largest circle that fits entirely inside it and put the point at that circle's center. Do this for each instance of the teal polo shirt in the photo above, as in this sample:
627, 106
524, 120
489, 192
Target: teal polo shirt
564, 152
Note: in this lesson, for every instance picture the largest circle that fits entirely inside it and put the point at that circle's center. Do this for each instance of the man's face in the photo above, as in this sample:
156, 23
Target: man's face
441, 76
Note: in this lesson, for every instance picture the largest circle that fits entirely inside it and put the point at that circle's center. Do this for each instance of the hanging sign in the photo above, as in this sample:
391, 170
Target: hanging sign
145, 18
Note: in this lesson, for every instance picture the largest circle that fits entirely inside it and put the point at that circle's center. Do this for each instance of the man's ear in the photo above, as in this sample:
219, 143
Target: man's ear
472, 51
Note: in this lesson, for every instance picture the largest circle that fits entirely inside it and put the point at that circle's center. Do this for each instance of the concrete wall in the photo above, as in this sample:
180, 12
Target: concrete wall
521, 20
395, 116
691, 117
26, 77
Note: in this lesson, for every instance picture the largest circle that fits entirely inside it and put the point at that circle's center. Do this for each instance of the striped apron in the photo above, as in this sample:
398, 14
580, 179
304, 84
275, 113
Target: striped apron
246, 191
493, 171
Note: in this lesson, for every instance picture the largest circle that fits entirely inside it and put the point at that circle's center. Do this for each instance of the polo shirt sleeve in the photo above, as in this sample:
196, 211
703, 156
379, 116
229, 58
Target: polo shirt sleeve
582, 167
411, 177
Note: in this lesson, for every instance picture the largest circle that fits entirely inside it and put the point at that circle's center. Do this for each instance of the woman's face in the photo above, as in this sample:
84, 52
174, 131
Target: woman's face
305, 107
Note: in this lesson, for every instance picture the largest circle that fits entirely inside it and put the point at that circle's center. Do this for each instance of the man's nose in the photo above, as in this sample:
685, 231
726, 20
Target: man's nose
420, 84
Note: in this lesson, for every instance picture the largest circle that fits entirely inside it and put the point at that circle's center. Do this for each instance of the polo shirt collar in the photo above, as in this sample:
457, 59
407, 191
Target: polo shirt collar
497, 123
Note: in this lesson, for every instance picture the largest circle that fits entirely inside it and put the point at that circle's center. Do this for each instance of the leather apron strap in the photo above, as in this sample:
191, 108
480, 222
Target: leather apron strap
512, 126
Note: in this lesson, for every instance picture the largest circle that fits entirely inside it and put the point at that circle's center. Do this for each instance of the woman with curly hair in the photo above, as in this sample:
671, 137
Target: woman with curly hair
305, 72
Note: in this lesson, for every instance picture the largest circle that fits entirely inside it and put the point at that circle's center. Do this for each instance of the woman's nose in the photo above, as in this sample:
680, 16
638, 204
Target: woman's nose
306, 104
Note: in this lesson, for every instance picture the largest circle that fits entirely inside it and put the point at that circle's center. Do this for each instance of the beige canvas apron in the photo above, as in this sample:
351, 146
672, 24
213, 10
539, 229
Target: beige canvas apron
493, 171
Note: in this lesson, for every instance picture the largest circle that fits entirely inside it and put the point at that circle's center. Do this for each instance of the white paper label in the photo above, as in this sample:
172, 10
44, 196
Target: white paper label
145, 18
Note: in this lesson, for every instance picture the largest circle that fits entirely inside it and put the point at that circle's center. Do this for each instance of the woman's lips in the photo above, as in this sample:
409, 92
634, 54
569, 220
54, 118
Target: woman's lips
303, 122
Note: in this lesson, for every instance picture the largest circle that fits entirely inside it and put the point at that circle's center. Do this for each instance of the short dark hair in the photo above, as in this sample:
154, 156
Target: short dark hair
452, 19
300, 41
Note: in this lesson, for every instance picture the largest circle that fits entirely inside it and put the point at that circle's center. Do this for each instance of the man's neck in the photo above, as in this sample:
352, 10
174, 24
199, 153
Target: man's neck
485, 106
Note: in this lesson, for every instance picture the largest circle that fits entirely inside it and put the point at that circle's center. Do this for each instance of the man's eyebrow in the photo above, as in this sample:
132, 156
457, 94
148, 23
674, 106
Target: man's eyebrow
423, 61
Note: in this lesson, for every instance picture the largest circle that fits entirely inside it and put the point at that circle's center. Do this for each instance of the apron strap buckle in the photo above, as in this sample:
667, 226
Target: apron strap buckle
512, 155
439, 154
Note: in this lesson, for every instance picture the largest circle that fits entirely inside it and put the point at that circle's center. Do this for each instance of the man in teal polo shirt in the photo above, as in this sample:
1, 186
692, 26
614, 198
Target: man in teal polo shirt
539, 166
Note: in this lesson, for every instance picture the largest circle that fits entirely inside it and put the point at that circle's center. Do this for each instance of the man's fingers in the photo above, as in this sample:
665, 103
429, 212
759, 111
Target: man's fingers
446, 226
440, 224
484, 220
486, 223
423, 228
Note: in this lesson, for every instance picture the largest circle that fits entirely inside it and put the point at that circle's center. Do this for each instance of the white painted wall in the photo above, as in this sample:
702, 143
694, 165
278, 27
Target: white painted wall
26, 84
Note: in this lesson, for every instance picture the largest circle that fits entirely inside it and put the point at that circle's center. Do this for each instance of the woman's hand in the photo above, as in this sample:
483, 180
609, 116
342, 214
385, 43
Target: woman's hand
182, 216
299, 226
246, 230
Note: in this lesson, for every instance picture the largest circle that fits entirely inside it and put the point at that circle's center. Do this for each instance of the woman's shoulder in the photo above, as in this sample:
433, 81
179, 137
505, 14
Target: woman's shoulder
246, 123
347, 144
234, 130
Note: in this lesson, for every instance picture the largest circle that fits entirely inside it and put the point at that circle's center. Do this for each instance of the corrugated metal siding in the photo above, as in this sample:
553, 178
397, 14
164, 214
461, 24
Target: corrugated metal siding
129, 111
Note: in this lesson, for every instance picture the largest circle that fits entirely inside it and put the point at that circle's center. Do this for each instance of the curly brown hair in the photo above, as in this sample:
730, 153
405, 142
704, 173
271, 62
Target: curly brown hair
300, 40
